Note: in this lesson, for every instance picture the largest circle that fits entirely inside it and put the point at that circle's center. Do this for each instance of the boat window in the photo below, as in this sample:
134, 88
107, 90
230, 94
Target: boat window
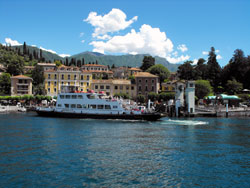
91, 96
84, 106
59, 105
72, 106
79, 96
100, 106
107, 107
66, 105
67, 96
92, 106
62, 96
115, 106
79, 106
73, 96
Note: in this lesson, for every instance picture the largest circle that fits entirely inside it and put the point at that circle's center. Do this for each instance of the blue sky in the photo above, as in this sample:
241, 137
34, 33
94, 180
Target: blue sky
178, 30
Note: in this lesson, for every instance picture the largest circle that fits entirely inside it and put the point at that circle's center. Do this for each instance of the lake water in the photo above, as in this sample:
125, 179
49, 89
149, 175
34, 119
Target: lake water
52, 152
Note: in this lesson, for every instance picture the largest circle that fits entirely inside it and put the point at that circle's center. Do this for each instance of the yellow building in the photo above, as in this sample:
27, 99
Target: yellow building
111, 87
168, 86
67, 76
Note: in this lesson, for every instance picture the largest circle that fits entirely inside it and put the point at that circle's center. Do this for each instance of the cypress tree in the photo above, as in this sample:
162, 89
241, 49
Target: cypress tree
24, 48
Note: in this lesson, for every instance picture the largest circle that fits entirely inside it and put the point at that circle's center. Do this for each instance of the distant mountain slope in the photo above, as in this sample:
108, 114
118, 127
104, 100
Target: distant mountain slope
119, 60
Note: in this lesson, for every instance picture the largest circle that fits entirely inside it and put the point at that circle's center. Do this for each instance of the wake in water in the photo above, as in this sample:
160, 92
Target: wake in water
183, 122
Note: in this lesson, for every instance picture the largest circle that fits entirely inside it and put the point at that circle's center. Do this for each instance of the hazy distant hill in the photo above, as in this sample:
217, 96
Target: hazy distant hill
121, 60
117, 60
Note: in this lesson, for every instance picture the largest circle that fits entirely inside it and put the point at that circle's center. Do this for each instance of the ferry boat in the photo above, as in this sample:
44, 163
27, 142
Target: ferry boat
95, 106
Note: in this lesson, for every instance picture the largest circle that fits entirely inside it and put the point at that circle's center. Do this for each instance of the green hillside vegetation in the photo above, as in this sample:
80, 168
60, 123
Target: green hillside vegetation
90, 57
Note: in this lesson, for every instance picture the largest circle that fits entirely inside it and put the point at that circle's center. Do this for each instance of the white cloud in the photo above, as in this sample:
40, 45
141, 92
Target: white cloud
51, 51
33, 45
218, 56
81, 34
182, 48
195, 61
114, 21
64, 55
178, 59
104, 37
175, 53
205, 53
147, 40
9, 41
82, 41
217, 51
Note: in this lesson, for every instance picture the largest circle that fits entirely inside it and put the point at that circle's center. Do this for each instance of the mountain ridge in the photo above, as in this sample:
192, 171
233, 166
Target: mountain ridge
89, 57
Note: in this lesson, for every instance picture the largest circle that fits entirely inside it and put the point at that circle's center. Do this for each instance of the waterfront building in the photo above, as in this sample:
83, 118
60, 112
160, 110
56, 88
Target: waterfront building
62, 76
168, 86
98, 71
47, 66
190, 96
112, 87
21, 85
146, 83
133, 70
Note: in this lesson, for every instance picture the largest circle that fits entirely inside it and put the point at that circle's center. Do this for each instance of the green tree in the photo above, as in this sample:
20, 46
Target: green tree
132, 79
159, 70
38, 75
140, 98
153, 96
233, 87
186, 71
201, 70
202, 88
147, 62
13, 63
213, 70
24, 48
5, 84
58, 63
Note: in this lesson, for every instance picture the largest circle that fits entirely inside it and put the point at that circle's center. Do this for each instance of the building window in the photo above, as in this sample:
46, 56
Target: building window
107, 87
121, 87
54, 90
102, 87
62, 76
191, 85
146, 81
153, 88
62, 83
48, 76
55, 76
87, 77
75, 77
139, 81
81, 77
87, 84
139, 88
146, 88
81, 83
48, 83
96, 86
68, 83
54, 83
116, 87
48, 90
127, 87
132, 87
153, 81
69, 77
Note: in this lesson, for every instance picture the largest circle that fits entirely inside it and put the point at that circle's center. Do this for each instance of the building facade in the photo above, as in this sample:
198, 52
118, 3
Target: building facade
112, 87
146, 83
21, 85
98, 71
55, 79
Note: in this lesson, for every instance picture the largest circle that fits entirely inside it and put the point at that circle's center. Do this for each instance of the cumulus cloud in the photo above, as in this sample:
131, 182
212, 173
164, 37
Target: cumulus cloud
219, 56
205, 53
147, 40
114, 21
182, 48
51, 51
9, 41
64, 55
178, 59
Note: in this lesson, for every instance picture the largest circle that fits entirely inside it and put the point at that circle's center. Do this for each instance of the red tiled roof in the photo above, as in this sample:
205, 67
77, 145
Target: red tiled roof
144, 74
93, 65
22, 77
